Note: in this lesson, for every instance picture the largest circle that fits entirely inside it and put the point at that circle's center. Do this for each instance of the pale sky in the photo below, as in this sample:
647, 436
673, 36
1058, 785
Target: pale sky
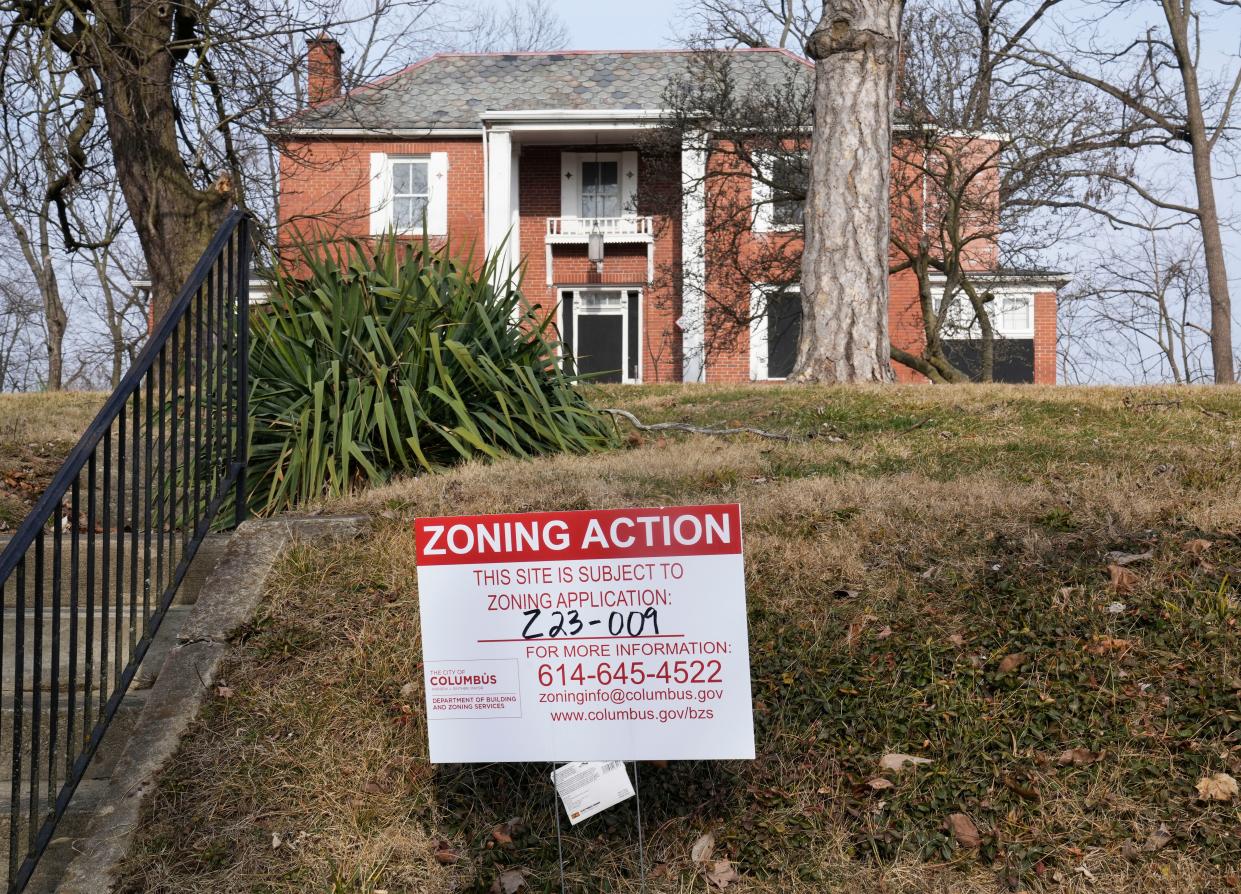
617, 24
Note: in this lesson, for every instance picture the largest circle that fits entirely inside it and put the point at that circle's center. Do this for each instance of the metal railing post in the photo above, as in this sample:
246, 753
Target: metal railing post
240, 508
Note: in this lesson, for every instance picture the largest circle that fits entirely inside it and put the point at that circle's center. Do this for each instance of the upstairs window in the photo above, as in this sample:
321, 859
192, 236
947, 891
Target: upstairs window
779, 191
789, 180
410, 193
601, 189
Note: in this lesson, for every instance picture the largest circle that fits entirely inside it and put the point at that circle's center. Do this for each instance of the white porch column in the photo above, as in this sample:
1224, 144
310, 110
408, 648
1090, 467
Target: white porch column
501, 202
693, 258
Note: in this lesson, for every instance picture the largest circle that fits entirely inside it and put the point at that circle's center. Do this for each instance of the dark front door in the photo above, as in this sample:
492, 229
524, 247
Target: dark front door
600, 346
783, 329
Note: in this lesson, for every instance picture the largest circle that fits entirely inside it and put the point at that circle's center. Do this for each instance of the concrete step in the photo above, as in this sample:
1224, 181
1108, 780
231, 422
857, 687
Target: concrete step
86, 800
103, 632
204, 561
105, 756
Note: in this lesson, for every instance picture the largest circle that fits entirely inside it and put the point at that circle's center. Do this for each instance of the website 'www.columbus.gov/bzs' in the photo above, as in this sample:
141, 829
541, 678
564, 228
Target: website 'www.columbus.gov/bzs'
664, 715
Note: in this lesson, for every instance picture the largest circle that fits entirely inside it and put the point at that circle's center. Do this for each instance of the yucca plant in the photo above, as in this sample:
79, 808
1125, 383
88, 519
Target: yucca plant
377, 358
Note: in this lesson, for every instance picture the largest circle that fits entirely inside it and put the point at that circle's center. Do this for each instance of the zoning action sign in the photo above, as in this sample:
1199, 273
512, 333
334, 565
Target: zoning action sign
585, 636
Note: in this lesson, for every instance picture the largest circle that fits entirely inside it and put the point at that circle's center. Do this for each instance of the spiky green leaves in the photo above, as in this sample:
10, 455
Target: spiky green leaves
374, 359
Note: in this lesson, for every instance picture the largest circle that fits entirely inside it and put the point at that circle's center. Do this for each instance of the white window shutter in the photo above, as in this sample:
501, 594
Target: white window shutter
760, 193
629, 182
381, 193
570, 185
437, 195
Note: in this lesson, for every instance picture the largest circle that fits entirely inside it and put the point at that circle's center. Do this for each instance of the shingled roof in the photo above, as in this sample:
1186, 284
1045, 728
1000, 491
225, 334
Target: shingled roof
452, 90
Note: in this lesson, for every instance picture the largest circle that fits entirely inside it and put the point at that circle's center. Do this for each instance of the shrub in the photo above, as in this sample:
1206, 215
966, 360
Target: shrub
380, 358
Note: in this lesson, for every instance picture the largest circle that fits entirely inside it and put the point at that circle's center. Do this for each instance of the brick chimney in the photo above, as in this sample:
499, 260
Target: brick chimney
322, 69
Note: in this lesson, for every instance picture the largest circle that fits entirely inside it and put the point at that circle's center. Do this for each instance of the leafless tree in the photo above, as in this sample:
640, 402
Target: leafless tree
21, 357
34, 158
514, 26
748, 23
182, 93
1152, 71
987, 152
991, 161
104, 277
1145, 304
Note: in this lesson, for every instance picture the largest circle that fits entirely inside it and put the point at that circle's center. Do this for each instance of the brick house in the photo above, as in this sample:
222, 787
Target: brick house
533, 154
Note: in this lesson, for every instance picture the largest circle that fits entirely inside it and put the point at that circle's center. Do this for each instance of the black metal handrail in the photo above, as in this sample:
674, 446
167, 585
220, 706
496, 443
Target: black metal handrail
99, 559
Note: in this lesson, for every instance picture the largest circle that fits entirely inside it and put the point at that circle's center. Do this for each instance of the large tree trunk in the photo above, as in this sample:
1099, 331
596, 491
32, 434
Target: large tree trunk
844, 330
174, 219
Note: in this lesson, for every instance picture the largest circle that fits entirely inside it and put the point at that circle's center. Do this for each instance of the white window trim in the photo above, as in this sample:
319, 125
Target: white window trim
962, 306
437, 192
571, 187
758, 329
760, 197
623, 313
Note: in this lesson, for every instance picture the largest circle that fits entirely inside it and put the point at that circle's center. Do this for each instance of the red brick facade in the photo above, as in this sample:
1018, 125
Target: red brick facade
325, 189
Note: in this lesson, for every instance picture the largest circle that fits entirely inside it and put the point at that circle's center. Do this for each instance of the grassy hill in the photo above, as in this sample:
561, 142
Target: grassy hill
1034, 590
37, 431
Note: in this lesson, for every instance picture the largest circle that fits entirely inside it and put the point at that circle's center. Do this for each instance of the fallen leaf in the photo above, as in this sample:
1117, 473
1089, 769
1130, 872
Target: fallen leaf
1079, 757
1024, 789
446, 854
1197, 546
721, 874
1116, 608
896, 761
701, 851
1122, 580
659, 870
856, 627
963, 830
884, 633
223, 692
502, 835
1220, 787
957, 639
1118, 558
408, 689
1010, 663
510, 881
1157, 839
276, 840
1089, 876
879, 783
1103, 645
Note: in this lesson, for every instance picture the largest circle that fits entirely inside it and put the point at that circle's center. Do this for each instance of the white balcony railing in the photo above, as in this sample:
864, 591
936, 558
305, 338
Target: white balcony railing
614, 229
577, 230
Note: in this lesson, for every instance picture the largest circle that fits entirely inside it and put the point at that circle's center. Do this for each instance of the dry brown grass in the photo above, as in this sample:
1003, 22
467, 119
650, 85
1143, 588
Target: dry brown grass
37, 430
983, 513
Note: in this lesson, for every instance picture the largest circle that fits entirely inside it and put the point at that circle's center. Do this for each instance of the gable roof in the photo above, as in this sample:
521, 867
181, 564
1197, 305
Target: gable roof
453, 90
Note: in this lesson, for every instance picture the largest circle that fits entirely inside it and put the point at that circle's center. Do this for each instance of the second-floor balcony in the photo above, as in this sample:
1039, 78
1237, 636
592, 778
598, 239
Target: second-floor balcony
571, 230
577, 231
